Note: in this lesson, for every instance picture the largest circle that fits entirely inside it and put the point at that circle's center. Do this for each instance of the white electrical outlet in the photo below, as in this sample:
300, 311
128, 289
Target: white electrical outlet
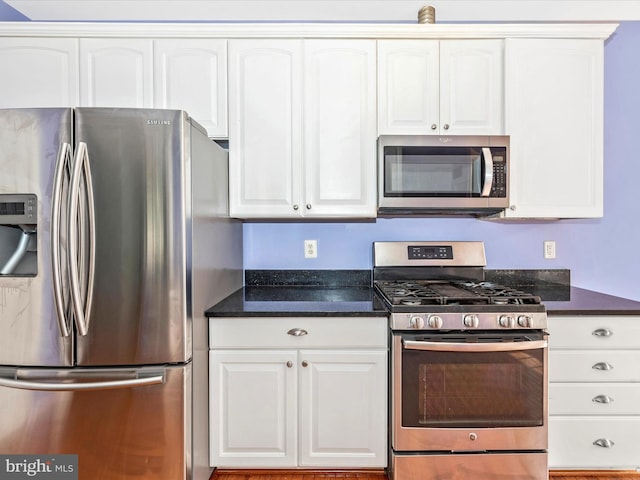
310, 249
549, 249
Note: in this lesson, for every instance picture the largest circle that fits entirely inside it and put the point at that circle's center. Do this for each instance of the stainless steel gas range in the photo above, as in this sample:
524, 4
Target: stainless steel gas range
468, 366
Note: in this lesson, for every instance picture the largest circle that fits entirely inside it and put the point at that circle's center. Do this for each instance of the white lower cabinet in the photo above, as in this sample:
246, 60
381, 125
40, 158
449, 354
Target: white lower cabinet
594, 392
323, 404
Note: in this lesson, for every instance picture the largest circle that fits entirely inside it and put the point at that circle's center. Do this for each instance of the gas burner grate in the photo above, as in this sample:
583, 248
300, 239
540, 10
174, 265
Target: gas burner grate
431, 292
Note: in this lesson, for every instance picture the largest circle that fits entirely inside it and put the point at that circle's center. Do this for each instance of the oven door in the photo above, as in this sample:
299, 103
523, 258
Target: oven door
463, 392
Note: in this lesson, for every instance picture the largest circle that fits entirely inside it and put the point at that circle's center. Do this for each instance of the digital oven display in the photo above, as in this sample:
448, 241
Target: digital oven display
420, 252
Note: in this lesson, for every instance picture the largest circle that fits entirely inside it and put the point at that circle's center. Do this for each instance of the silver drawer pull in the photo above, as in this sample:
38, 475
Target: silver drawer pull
603, 366
297, 332
604, 443
602, 332
602, 399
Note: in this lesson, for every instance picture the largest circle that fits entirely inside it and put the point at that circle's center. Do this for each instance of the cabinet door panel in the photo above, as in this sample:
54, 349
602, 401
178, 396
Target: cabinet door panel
594, 398
116, 73
571, 442
343, 408
253, 408
582, 366
554, 115
38, 72
593, 332
471, 87
340, 128
191, 75
265, 118
408, 86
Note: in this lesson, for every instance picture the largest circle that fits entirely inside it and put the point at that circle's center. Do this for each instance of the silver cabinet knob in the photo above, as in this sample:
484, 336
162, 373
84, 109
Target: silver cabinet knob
297, 332
308, 206
304, 363
446, 126
434, 126
604, 443
289, 364
603, 366
602, 332
296, 207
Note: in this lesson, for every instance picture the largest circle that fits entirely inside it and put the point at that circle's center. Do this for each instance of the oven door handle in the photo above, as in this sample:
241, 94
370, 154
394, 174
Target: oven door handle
473, 347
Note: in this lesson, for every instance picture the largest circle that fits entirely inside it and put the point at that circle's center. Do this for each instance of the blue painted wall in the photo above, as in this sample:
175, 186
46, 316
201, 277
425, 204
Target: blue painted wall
602, 254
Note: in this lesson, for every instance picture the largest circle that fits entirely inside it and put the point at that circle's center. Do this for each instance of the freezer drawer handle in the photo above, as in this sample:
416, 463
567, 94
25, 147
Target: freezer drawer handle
154, 379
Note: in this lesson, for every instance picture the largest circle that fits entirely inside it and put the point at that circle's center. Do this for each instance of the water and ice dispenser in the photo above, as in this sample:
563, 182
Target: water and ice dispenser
18, 235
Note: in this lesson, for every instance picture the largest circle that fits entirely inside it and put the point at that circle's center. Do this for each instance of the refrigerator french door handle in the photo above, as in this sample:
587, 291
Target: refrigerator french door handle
91, 213
56, 265
76, 254
488, 172
156, 378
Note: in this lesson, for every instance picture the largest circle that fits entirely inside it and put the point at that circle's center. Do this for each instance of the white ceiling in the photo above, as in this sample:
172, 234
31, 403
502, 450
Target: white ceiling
326, 10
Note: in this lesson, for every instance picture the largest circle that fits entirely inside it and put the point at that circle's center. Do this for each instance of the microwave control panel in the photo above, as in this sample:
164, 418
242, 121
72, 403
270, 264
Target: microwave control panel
499, 186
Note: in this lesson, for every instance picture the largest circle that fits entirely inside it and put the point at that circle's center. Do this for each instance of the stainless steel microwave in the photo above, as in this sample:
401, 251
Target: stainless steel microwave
425, 174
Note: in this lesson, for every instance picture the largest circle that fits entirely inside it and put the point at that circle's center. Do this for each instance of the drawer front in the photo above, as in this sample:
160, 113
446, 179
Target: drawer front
594, 366
571, 442
298, 332
604, 332
594, 399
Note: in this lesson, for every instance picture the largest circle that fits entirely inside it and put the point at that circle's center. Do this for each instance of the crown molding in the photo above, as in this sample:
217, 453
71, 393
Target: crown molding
306, 30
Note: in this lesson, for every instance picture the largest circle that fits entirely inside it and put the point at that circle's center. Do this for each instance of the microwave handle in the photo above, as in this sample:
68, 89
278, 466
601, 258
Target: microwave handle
488, 172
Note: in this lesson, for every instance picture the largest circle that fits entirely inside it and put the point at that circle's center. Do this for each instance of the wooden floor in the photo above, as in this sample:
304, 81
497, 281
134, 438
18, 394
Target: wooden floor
380, 475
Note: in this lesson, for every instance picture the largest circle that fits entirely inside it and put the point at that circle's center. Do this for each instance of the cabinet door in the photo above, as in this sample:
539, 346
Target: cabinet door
343, 408
191, 75
554, 115
471, 87
116, 72
408, 86
253, 408
340, 128
38, 72
265, 127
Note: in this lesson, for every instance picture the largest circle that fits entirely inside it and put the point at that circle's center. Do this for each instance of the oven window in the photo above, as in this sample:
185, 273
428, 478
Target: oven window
433, 171
472, 389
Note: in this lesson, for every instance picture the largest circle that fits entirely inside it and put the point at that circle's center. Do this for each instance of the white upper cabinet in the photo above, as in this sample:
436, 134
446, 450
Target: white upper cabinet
339, 146
554, 115
191, 75
302, 152
116, 72
38, 72
441, 87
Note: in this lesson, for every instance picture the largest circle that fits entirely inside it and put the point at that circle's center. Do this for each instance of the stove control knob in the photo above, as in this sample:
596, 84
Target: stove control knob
506, 321
471, 321
524, 321
435, 321
416, 322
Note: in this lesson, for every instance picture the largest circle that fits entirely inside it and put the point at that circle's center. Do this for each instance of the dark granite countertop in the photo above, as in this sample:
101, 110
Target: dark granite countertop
309, 301
349, 293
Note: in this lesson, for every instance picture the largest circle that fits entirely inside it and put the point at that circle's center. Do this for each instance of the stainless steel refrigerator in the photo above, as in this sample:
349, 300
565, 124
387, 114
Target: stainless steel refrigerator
114, 239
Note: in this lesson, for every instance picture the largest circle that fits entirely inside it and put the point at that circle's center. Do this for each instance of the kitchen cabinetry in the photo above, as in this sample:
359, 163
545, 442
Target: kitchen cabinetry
191, 75
280, 397
594, 392
452, 87
116, 72
554, 115
38, 72
302, 128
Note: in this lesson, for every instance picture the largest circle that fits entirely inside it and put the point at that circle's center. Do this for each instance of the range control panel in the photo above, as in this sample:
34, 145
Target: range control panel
422, 252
